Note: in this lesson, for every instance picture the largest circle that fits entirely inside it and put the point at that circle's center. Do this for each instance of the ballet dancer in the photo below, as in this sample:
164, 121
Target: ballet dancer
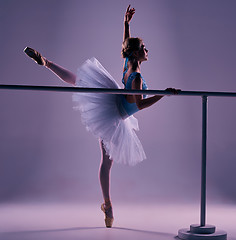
108, 116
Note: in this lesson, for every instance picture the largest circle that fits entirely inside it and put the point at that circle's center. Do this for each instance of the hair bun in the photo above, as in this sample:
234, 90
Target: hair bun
130, 45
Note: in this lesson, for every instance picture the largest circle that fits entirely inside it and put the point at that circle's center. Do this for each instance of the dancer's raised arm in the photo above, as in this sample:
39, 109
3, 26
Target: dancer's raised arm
128, 16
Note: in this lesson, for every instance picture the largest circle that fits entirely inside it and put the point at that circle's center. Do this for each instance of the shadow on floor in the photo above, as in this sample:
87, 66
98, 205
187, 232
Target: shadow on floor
120, 229
147, 232
55, 230
93, 232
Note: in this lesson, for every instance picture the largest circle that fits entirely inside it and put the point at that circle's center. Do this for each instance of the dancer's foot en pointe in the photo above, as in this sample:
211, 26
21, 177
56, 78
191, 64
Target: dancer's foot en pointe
107, 209
36, 56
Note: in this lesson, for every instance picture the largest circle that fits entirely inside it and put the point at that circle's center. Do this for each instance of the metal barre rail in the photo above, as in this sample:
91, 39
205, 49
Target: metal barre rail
115, 91
197, 231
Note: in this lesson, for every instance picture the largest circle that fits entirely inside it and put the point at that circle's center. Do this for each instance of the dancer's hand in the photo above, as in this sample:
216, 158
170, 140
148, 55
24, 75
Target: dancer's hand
129, 14
173, 90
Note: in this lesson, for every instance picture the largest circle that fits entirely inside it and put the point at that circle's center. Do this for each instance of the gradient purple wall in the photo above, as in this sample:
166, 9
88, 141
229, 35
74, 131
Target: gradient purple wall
46, 153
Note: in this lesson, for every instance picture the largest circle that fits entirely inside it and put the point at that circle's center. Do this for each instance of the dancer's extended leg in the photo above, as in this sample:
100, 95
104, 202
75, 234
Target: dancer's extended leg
61, 72
104, 176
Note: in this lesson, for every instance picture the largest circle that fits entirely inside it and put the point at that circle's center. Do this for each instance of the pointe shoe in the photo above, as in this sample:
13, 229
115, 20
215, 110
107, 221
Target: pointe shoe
36, 56
108, 220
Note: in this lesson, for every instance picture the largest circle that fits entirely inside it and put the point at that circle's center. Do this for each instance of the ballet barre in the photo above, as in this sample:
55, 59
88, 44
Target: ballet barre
115, 91
196, 231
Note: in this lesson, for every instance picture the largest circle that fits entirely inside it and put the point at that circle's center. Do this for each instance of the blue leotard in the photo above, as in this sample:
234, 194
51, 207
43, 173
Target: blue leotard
131, 108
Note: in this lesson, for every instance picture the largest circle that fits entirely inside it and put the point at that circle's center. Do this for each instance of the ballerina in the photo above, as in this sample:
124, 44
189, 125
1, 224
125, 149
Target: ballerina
110, 117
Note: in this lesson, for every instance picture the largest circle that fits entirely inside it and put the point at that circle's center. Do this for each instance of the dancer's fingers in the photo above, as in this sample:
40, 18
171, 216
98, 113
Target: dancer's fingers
127, 10
173, 90
132, 10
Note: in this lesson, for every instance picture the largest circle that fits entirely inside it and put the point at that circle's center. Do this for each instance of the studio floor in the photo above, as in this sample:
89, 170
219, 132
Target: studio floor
85, 221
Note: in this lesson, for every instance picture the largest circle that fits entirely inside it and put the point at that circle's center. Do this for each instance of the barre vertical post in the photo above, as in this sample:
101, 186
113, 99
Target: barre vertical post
202, 231
203, 167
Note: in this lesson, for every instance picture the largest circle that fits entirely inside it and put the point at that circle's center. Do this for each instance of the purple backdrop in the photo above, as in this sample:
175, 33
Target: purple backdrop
46, 153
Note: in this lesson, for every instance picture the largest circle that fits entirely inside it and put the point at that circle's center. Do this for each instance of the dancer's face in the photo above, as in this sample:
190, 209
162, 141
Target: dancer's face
142, 53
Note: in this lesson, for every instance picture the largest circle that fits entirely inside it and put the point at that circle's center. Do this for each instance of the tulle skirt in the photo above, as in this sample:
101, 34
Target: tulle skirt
102, 114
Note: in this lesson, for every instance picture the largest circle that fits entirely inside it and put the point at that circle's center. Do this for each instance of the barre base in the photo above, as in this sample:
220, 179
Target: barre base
197, 232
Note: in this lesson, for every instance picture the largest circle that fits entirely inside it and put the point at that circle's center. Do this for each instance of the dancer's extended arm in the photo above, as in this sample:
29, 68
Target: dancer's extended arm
128, 16
146, 102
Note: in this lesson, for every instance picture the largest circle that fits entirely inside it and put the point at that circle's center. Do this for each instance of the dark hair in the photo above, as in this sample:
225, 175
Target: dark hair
128, 47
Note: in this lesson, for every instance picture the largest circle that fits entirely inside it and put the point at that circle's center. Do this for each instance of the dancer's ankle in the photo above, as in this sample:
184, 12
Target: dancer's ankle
107, 203
47, 63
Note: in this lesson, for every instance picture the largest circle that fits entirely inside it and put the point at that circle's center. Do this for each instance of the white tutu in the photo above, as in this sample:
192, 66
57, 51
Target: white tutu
101, 115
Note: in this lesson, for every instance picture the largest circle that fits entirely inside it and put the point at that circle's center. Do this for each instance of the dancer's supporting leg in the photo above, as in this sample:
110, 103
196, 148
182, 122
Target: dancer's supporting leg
104, 176
61, 72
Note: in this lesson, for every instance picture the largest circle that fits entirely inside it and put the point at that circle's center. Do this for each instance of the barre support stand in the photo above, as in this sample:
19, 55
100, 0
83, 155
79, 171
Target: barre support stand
203, 230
